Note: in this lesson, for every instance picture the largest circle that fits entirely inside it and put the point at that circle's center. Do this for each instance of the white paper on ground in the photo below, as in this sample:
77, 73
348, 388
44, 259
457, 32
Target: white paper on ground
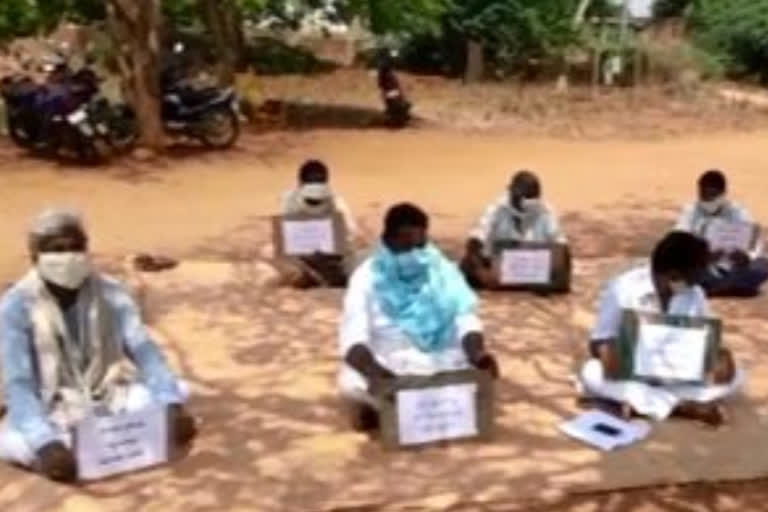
671, 353
525, 266
305, 237
109, 445
436, 414
587, 428
724, 235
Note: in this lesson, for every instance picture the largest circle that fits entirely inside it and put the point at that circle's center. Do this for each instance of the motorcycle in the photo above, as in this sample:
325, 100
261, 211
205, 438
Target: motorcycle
64, 114
207, 114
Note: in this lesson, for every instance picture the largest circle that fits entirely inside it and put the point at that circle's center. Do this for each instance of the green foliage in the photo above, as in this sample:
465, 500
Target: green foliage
735, 32
26, 17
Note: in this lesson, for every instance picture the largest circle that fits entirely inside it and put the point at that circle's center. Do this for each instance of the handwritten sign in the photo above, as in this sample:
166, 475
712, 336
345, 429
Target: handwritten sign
525, 267
110, 445
723, 235
671, 353
306, 237
437, 414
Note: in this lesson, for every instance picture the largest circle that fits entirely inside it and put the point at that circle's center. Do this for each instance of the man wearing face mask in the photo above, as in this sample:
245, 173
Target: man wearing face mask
738, 273
520, 215
314, 196
408, 311
72, 340
667, 286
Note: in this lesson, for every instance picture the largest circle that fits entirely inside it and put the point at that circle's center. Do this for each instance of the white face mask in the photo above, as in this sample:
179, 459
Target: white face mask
531, 206
713, 206
66, 269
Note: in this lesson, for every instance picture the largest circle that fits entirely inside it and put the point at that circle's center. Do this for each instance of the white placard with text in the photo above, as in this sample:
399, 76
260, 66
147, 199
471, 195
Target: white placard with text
121, 443
437, 414
306, 237
525, 267
671, 353
723, 235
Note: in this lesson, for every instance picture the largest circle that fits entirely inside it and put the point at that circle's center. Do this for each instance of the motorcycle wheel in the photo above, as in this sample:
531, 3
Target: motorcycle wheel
123, 133
219, 129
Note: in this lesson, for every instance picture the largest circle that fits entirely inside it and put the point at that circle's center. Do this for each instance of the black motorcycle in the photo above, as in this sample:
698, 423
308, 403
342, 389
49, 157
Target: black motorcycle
209, 115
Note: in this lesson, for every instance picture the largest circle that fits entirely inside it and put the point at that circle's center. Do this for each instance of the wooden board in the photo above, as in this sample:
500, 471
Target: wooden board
390, 435
630, 328
560, 276
338, 226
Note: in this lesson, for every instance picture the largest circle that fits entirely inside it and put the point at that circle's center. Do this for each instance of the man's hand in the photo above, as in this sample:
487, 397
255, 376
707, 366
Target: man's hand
380, 379
740, 259
474, 348
57, 462
183, 424
610, 360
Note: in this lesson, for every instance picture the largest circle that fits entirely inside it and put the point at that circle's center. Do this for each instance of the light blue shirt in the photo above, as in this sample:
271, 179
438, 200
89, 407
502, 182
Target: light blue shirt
26, 411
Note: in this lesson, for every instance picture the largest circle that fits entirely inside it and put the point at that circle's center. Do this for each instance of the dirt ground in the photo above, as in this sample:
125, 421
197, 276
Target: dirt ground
617, 187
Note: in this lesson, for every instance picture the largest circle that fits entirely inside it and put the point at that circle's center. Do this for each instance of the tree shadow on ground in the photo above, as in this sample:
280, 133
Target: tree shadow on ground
263, 364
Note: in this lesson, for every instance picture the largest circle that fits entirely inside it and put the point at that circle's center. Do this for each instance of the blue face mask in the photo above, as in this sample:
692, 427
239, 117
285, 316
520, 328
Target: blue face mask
412, 265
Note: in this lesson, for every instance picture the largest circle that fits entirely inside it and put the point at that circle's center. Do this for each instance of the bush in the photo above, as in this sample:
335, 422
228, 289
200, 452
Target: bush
736, 32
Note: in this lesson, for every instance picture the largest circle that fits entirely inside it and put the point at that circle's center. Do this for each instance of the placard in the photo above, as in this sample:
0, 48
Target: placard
667, 348
449, 406
532, 266
109, 445
437, 414
305, 235
525, 267
724, 235
671, 353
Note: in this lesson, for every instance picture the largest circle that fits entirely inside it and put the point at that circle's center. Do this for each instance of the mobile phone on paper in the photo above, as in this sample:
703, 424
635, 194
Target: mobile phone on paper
607, 430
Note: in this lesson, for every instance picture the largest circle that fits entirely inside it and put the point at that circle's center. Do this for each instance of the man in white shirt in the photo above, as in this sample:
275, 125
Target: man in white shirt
520, 215
667, 286
407, 311
314, 196
737, 273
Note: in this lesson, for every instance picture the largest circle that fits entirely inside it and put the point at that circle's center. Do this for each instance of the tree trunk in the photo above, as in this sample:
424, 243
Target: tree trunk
475, 69
224, 21
135, 27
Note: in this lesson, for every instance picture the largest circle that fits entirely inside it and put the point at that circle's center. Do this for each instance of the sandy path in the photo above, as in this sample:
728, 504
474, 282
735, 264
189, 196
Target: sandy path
194, 201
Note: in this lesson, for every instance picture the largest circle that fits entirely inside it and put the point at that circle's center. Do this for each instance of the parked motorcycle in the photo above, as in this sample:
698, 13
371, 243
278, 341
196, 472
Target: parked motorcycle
63, 115
207, 114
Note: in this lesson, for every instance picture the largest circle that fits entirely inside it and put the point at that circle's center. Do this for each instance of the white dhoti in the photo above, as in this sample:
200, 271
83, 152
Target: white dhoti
354, 387
15, 449
656, 402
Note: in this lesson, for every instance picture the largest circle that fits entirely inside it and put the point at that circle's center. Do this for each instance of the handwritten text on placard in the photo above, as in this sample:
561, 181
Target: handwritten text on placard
728, 236
525, 266
436, 414
109, 445
306, 237
671, 353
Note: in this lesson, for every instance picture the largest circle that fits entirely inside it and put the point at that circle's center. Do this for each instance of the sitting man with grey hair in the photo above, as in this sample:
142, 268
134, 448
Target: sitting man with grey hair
72, 340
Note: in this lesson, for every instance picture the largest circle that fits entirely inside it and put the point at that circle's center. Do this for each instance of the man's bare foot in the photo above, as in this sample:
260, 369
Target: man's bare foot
712, 415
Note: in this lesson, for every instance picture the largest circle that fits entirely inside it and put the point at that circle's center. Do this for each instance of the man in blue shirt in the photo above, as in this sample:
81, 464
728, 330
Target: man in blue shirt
73, 344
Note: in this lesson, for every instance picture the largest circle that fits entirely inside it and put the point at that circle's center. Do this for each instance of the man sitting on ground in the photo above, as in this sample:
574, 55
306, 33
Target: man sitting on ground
314, 196
408, 311
737, 273
71, 338
520, 215
668, 286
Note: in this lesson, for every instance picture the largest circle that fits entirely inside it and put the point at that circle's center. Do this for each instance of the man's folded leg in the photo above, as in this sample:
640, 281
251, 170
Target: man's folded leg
361, 406
646, 400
